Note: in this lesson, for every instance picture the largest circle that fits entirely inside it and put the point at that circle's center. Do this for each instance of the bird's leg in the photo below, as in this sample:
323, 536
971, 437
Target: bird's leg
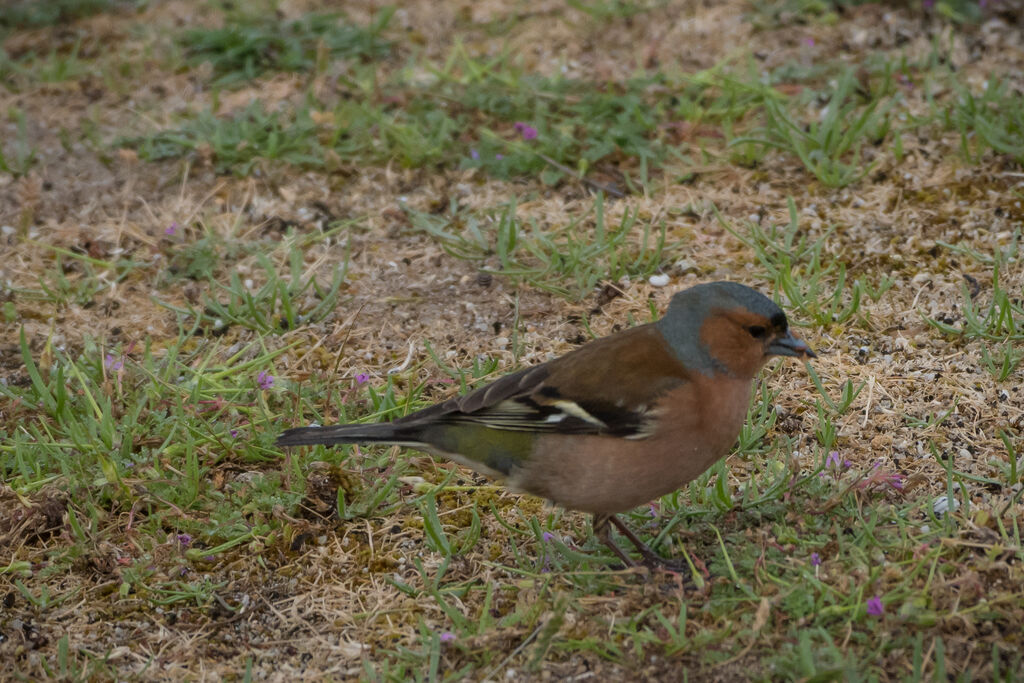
651, 558
602, 531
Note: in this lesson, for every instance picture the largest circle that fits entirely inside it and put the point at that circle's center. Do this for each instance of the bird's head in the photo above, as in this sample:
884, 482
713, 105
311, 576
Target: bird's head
726, 327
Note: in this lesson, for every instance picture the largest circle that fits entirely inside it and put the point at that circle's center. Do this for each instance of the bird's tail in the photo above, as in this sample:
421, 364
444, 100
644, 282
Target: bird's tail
383, 432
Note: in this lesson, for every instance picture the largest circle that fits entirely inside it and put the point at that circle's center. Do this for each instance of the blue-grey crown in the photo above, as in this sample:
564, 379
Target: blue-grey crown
688, 308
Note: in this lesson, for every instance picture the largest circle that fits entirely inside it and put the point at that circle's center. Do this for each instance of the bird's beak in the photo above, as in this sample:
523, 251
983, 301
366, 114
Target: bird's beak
788, 345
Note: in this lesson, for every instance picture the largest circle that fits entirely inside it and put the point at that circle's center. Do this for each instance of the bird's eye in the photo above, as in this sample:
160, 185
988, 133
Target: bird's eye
756, 331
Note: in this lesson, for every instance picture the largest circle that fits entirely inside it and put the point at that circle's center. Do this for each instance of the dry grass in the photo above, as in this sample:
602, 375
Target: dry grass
112, 570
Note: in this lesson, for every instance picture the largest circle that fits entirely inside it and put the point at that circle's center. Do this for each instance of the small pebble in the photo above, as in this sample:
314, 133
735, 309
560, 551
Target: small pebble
944, 504
685, 265
658, 280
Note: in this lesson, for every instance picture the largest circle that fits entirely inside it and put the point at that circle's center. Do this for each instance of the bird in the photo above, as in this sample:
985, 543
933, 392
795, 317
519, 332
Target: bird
613, 424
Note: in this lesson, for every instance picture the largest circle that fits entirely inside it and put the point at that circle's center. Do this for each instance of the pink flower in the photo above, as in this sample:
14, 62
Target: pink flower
881, 479
526, 130
362, 378
447, 637
172, 228
264, 379
875, 607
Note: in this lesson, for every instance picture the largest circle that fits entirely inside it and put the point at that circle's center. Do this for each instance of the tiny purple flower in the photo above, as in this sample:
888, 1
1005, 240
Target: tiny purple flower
447, 637
362, 378
526, 130
815, 559
234, 433
474, 155
653, 511
111, 363
809, 42
172, 228
832, 460
875, 606
499, 157
264, 379
547, 536
185, 540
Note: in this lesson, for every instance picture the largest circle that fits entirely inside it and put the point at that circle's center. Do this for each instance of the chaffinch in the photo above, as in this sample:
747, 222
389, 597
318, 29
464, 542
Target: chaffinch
613, 424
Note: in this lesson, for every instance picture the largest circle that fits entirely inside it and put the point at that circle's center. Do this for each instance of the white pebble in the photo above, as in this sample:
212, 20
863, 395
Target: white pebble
944, 504
658, 280
685, 265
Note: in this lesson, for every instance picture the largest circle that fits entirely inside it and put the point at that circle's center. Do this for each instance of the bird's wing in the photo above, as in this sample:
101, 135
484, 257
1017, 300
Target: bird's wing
609, 386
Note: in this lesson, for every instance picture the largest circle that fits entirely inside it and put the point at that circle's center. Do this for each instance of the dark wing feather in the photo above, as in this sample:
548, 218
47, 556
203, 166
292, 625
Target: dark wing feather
609, 386
519, 383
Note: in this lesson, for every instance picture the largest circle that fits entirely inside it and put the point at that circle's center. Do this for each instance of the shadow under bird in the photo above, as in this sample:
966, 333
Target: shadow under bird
614, 424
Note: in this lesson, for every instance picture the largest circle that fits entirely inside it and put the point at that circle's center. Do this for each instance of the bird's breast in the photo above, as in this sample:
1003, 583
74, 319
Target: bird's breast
697, 424
707, 414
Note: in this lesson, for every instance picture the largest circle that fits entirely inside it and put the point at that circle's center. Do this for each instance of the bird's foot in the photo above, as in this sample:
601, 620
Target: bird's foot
692, 568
